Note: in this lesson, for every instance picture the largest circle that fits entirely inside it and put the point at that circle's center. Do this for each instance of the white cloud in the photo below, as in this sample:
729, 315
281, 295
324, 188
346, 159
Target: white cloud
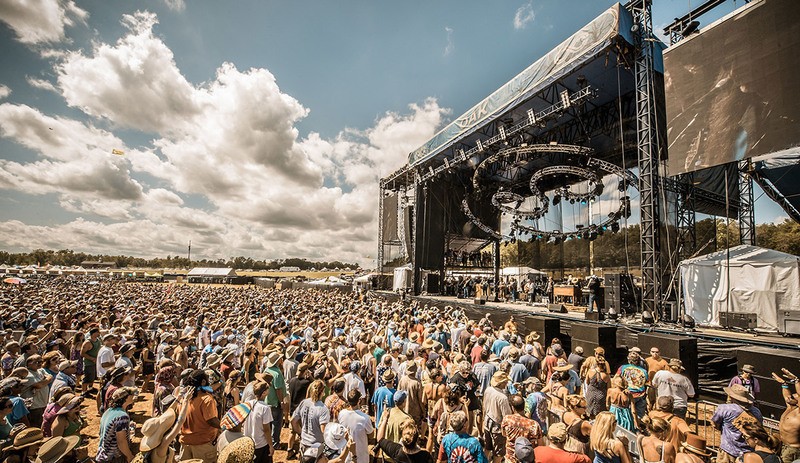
41, 84
4, 91
524, 15
450, 44
40, 21
225, 168
175, 5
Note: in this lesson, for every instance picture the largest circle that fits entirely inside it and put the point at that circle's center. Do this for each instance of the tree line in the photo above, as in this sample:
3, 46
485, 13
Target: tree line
69, 258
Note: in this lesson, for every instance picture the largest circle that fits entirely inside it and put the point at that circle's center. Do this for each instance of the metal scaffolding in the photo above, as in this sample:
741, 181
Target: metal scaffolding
747, 215
647, 155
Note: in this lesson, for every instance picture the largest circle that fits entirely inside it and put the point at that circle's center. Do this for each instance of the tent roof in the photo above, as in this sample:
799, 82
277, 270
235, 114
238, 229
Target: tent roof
743, 255
211, 272
506, 271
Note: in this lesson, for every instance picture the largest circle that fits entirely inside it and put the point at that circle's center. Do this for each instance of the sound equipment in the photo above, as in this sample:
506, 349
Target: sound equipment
620, 292
547, 327
767, 360
744, 321
671, 309
596, 316
558, 308
432, 283
479, 301
672, 346
590, 335
789, 321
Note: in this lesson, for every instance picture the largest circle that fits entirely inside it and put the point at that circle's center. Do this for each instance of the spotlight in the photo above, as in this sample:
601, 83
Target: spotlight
622, 185
598, 189
687, 321
556, 200
615, 227
592, 236
572, 200
647, 318
612, 314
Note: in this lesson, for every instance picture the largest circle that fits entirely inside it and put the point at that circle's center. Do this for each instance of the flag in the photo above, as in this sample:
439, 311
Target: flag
117, 152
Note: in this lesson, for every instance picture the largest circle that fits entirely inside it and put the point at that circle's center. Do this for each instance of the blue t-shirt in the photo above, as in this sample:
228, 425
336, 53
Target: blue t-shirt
497, 346
382, 398
461, 448
18, 411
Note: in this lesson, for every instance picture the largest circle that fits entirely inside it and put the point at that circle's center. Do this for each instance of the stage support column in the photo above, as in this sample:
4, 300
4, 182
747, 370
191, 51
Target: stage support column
496, 258
381, 195
647, 155
420, 203
747, 214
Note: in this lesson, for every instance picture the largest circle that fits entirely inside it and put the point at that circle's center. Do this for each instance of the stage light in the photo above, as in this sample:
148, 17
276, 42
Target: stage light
598, 189
690, 28
572, 200
615, 227
612, 314
592, 236
622, 186
647, 318
556, 200
687, 321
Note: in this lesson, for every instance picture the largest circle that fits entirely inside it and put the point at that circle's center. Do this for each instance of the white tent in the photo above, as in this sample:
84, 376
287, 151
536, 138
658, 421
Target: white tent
762, 281
402, 278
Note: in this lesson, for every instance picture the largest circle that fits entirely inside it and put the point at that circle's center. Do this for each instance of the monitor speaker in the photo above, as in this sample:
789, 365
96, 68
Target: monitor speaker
558, 308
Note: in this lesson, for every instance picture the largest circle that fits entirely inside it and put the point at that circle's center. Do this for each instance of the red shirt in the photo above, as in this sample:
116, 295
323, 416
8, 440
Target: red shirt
547, 454
475, 354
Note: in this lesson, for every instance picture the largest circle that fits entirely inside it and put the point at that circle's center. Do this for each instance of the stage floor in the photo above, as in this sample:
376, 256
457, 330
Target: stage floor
501, 311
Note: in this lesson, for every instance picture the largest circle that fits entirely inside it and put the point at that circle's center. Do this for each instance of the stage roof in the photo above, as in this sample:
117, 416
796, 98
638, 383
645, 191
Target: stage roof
590, 54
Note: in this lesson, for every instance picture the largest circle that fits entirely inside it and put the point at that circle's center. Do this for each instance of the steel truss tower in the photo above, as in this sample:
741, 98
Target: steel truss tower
647, 155
747, 217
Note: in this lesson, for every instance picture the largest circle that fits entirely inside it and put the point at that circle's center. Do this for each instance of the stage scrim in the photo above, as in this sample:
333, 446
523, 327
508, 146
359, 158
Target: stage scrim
733, 90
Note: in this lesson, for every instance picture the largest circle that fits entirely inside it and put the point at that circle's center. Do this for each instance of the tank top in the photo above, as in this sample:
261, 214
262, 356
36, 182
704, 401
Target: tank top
574, 430
768, 457
48, 417
93, 351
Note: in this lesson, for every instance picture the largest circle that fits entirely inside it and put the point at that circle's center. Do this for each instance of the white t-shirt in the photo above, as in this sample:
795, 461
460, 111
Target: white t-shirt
255, 421
104, 355
351, 381
673, 384
359, 425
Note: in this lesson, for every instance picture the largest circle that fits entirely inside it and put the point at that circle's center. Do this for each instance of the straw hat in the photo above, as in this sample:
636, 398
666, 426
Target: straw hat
696, 444
388, 375
562, 365
55, 448
676, 364
153, 430
749, 369
227, 356
429, 343
213, 361
291, 351
65, 399
264, 377
242, 450
499, 378
71, 405
534, 335
740, 393
414, 336
273, 358
28, 437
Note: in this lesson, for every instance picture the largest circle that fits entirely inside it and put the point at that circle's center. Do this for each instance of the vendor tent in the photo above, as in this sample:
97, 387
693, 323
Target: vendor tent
761, 281
402, 278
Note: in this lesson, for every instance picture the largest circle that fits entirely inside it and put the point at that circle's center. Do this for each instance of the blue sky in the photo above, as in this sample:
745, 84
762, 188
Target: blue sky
255, 128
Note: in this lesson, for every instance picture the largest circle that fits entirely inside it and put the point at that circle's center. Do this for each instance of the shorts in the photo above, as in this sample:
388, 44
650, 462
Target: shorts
493, 438
89, 374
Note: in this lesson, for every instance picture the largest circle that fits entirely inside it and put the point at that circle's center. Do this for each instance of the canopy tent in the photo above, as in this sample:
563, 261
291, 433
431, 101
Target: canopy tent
329, 281
761, 281
402, 278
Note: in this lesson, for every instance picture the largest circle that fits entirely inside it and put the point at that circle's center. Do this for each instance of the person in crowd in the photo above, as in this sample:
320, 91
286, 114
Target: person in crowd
68, 421
65, 378
275, 397
516, 425
678, 428
730, 418
199, 431
259, 423
765, 445
693, 450
158, 433
414, 405
620, 404
390, 426
496, 407
606, 446
745, 378
576, 358
458, 445
309, 420
384, 395
636, 380
336, 401
407, 450
656, 448
25, 446
554, 451
115, 433
673, 383
578, 428
36, 388
789, 425
359, 425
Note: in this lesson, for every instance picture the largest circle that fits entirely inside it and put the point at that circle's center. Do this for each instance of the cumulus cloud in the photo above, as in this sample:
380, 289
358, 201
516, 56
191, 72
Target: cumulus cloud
4, 91
40, 21
226, 166
524, 16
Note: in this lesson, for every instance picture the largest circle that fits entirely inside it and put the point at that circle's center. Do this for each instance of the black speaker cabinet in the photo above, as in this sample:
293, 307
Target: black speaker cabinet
590, 335
548, 328
432, 283
558, 308
479, 301
767, 360
619, 292
672, 346
744, 321
596, 316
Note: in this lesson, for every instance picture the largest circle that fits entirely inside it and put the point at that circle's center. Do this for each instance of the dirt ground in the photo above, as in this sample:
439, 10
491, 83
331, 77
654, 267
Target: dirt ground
138, 413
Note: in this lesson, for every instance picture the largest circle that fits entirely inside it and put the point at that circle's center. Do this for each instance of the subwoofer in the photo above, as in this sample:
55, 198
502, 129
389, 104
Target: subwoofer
591, 335
672, 346
767, 360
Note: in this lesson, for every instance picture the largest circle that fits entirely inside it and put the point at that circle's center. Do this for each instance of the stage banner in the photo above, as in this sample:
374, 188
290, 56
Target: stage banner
733, 89
390, 232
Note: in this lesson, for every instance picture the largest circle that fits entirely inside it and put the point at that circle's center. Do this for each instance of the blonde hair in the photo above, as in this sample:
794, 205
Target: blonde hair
316, 390
657, 426
602, 436
573, 400
619, 382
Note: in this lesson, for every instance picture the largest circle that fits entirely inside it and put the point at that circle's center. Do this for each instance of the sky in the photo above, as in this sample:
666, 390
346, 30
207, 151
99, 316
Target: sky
250, 128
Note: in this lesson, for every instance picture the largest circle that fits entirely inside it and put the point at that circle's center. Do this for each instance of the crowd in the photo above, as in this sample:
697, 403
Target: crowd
350, 378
